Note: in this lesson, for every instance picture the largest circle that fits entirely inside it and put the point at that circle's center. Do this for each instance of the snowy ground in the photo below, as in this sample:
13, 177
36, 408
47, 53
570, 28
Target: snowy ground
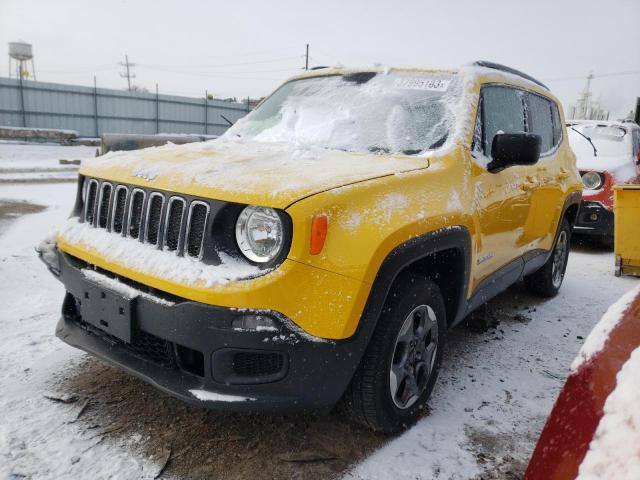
41, 162
487, 409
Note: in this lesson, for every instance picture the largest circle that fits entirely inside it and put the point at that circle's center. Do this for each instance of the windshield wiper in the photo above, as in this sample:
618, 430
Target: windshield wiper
359, 77
595, 150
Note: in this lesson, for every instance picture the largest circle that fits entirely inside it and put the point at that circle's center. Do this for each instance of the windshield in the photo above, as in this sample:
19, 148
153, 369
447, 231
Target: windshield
610, 141
397, 112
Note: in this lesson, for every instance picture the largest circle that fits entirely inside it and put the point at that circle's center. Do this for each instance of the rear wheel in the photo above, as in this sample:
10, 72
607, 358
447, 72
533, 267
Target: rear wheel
548, 279
400, 366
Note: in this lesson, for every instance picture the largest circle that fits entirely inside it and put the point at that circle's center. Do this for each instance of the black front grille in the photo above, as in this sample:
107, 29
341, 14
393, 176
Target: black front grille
90, 203
195, 233
103, 207
154, 215
252, 364
135, 213
174, 223
119, 207
149, 216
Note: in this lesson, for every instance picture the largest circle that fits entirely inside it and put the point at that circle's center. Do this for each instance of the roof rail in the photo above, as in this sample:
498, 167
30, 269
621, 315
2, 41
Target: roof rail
504, 68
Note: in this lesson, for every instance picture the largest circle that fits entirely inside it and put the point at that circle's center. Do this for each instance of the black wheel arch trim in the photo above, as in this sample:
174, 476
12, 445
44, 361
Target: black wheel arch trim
408, 253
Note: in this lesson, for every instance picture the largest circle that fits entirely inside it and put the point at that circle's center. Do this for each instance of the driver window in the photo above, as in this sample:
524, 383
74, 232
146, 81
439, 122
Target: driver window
503, 112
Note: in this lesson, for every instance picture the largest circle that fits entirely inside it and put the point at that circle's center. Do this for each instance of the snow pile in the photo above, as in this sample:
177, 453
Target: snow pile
614, 452
46, 249
600, 333
207, 396
393, 112
148, 260
20, 162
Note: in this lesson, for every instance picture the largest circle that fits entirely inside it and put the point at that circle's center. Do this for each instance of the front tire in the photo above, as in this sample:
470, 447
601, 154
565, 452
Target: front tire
548, 279
399, 369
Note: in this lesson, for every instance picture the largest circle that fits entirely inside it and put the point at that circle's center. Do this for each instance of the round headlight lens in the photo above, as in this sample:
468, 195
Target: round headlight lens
592, 180
259, 233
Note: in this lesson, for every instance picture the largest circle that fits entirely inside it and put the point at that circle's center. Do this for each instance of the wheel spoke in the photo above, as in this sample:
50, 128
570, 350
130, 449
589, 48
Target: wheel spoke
396, 376
406, 332
430, 356
410, 390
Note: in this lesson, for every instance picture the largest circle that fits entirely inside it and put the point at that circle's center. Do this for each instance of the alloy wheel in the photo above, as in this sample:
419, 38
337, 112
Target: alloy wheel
559, 259
413, 357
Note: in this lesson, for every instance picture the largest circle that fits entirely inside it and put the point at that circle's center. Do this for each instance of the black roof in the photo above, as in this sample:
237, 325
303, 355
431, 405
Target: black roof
504, 68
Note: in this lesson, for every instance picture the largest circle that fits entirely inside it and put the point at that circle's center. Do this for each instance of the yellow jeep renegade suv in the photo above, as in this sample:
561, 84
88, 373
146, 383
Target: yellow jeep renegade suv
320, 249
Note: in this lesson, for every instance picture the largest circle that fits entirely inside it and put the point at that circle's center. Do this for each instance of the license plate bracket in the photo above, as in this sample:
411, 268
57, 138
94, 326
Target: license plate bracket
107, 310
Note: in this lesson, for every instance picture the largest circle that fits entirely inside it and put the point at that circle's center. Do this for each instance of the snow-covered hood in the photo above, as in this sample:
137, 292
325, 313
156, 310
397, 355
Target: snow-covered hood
268, 174
622, 168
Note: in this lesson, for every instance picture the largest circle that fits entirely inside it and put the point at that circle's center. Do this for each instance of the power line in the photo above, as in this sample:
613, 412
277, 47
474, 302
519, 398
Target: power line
602, 75
274, 60
102, 68
230, 75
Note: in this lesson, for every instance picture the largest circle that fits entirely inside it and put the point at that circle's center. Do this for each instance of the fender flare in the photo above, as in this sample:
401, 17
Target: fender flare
454, 237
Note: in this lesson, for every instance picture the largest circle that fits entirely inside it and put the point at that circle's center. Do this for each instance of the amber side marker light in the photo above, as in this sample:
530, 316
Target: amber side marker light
319, 226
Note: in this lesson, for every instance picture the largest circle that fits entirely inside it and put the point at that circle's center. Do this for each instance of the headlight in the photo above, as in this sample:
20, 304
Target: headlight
259, 233
592, 180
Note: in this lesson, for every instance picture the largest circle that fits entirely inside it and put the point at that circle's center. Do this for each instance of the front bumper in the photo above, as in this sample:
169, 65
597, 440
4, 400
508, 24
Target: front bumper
190, 350
594, 219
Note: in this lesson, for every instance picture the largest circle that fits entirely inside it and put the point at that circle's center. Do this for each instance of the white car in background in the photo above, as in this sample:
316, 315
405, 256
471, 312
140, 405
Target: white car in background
608, 154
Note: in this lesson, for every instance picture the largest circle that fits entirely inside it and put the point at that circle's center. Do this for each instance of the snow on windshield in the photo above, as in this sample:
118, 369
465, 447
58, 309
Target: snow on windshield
610, 141
396, 112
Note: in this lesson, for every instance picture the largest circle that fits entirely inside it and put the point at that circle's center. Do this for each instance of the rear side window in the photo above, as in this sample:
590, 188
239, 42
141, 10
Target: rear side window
557, 124
502, 112
636, 141
540, 120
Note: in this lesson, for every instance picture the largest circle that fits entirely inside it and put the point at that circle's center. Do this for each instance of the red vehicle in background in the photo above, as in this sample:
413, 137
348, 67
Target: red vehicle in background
608, 154
593, 431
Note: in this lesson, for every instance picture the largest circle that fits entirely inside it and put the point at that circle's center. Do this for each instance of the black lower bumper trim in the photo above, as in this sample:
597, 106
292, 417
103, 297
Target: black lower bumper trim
187, 349
594, 219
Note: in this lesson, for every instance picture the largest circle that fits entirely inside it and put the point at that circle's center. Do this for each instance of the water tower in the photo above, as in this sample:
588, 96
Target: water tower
20, 55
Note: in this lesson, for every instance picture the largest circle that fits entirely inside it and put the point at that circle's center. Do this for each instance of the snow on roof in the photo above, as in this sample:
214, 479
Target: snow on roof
614, 451
600, 333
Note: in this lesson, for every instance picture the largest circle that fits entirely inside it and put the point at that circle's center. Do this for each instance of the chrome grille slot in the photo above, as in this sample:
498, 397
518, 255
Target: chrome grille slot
90, 203
103, 204
196, 224
154, 216
173, 223
119, 207
135, 213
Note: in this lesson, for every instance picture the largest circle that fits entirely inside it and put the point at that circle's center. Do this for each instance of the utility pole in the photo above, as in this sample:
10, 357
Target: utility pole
584, 102
306, 62
128, 74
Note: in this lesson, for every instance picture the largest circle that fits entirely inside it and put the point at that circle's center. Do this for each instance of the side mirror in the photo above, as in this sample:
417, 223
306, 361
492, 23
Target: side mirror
508, 149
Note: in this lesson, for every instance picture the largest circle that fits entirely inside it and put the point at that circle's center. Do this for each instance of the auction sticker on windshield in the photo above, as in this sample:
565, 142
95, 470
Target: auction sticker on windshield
416, 83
